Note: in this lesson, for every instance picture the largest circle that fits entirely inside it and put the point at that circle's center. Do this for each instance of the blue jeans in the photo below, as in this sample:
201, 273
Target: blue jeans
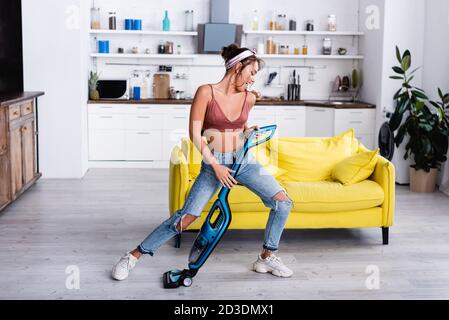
251, 175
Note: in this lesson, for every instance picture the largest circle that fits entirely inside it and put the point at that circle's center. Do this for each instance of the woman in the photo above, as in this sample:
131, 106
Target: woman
220, 112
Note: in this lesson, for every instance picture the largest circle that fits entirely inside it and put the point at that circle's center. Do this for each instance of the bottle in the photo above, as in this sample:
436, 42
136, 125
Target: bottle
112, 21
166, 22
145, 86
188, 20
136, 85
292, 25
255, 22
272, 22
270, 46
95, 18
332, 22
305, 50
309, 26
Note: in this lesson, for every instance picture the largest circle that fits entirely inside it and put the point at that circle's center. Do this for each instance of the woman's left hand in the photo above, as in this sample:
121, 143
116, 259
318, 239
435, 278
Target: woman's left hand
251, 129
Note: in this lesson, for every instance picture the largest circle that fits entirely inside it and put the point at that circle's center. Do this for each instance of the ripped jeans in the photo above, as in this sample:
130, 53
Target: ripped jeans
251, 175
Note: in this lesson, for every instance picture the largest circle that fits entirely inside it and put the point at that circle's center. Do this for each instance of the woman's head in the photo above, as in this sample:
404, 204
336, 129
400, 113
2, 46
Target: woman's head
243, 64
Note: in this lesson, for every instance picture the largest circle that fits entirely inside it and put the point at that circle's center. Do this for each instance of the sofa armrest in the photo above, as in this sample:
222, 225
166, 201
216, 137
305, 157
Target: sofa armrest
384, 175
178, 180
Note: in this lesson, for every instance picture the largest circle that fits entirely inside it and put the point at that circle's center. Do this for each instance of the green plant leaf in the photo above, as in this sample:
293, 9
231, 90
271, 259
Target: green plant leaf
398, 70
395, 120
410, 79
419, 94
397, 78
398, 54
400, 135
396, 95
405, 54
440, 93
414, 71
446, 99
406, 61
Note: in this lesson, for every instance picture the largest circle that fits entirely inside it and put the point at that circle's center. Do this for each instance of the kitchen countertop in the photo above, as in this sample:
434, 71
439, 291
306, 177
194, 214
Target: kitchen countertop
12, 98
268, 102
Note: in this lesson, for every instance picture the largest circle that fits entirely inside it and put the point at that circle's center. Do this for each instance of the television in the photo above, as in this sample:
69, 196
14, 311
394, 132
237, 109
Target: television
212, 37
11, 57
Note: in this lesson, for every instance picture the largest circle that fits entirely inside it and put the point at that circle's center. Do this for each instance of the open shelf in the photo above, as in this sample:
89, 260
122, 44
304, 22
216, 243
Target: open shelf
143, 32
304, 33
143, 56
315, 57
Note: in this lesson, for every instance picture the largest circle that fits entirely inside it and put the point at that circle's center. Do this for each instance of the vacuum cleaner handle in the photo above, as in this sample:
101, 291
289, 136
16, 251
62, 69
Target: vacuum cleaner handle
251, 142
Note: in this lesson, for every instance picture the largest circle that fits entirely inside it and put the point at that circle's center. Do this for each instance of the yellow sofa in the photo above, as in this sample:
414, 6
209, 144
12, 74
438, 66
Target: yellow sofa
305, 166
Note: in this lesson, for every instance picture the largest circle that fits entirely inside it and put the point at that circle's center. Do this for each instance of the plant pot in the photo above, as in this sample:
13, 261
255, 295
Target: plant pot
422, 181
94, 94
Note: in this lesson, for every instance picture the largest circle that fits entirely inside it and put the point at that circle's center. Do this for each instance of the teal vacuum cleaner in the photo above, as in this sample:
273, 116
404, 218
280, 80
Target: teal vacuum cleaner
212, 231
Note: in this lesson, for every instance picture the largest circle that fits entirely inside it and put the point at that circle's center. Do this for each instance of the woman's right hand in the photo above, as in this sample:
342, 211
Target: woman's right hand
223, 174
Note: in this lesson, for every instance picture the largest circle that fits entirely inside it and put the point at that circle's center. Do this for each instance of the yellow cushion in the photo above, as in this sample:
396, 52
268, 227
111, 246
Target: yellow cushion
312, 159
308, 197
329, 196
262, 155
355, 168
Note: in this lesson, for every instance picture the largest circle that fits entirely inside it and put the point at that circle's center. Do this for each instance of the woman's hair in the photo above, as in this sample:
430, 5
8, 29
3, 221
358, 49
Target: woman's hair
234, 49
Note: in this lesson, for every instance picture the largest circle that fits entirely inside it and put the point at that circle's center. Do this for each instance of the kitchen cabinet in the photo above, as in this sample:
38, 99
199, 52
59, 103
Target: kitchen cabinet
148, 132
291, 121
320, 122
131, 132
18, 146
362, 120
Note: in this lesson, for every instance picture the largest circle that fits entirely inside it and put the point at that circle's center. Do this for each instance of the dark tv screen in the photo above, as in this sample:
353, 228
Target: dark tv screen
11, 60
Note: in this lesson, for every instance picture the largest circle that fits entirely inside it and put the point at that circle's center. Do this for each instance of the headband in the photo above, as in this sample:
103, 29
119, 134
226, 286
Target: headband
241, 56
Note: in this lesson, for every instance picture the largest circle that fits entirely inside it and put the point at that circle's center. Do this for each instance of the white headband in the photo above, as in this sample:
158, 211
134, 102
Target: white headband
241, 56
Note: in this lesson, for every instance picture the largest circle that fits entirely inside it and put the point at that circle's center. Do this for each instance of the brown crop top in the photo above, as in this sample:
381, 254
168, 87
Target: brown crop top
216, 119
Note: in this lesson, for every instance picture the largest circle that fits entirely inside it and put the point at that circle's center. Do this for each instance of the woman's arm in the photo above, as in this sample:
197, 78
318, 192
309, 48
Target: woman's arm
197, 113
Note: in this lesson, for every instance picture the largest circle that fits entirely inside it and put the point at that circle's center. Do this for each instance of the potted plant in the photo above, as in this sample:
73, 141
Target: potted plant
427, 131
93, 85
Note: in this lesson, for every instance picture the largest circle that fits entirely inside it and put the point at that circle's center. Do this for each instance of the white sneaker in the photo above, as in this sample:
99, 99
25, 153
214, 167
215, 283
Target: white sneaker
273, 265
126, 263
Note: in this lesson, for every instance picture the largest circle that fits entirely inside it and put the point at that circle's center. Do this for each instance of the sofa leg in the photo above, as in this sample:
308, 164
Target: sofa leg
178, 241
385, 235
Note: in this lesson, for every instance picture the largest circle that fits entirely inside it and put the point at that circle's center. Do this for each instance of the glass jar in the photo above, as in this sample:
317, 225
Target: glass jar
332, 22
327, 46
161, 48
305, 50
296, 50
269, 46
169, 47
95, 18
112, 21
283, 49
188, 20
309, 25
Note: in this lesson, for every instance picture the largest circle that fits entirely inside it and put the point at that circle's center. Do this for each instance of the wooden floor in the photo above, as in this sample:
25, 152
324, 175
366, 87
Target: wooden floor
90, 223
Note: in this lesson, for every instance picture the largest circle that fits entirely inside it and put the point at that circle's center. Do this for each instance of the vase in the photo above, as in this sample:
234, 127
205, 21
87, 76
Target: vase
422, 181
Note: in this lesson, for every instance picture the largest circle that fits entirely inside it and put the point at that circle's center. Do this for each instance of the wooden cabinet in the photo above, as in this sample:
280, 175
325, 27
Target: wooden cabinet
18, 148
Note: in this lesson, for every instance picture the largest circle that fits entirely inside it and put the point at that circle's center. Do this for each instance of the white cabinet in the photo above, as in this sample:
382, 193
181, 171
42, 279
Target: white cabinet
130, 132
362, 120
320, 122
106, 145
143, 145
291, 121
